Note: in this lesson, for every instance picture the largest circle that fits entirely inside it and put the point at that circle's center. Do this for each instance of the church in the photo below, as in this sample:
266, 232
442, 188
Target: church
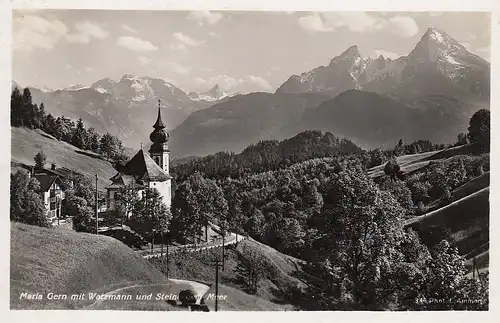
146, 170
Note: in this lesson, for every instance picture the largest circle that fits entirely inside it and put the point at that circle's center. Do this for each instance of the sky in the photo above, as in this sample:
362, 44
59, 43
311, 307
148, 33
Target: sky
194, 50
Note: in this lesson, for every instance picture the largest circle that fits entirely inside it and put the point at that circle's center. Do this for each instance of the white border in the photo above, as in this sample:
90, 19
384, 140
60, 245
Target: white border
269, 5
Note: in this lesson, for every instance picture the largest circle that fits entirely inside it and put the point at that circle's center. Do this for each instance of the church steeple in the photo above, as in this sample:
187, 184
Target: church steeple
159, 123
159, 136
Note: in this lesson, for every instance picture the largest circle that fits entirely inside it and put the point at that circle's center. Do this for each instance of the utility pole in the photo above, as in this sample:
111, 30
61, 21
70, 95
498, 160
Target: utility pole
217, 264
96, 208
223, 240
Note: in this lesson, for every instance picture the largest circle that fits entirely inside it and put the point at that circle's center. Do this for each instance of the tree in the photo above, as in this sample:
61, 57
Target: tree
255, 224
93, 140
78, 208
79, 137
402, 194
28, 112
40, 160
49, 125
125, 200
479, 128
110, 146
377, 157
186, 218
26, 205
64, 129
149, 215
392, 169
16, 108
361, 237
250, 269
462, 139
201, 201
445, 279
399, 149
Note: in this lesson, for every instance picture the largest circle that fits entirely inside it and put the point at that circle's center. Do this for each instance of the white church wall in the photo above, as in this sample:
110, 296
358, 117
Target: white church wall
164, 189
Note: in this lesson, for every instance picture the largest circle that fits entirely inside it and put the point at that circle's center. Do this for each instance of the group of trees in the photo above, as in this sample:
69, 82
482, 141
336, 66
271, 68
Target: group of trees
325, 209
143, 211
26, 204
266, 155
197, 202
24, 113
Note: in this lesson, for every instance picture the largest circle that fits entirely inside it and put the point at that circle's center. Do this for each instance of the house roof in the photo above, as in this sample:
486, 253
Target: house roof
63, 172
140, 167
46, 180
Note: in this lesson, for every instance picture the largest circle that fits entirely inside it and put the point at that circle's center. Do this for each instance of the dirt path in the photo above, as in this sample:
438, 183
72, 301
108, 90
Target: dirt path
199, 290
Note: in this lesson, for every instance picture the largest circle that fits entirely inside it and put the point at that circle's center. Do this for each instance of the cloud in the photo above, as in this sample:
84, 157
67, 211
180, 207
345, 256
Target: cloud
136, 44
183, 42
246, 84
179, 47
214, 35
30, 31
186, 40
88, 69
435, 13
313, 23
178, 68
144, 60
399, 25
386, 54
86, 31
354, 21
202, 17
359, 22
468, 37
129, 29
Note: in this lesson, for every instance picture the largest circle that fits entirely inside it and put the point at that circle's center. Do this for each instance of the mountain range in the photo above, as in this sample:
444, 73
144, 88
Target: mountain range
213, 95
428, 94
437, 65
126, 107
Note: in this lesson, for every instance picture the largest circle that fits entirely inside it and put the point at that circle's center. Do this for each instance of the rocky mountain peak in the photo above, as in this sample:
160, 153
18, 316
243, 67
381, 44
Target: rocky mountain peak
350, 54
435, 43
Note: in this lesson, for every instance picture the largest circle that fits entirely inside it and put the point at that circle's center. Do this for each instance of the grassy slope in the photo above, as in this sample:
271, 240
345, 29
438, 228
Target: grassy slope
467, 222
273, 288
414, 162
466, 219
27, 143
466, 189
62, 261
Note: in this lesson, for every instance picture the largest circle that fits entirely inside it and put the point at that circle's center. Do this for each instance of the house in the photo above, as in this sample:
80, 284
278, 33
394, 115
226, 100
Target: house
51, 188
53, 183
146, 170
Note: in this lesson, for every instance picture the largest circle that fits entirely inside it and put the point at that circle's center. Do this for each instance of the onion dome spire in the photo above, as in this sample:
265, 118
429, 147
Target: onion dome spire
159, 135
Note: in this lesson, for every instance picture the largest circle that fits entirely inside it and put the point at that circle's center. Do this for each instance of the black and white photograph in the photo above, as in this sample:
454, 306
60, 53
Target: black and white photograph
230, 160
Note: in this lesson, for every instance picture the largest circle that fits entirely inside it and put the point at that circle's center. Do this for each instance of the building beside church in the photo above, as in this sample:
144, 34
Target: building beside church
53, 184
146, 170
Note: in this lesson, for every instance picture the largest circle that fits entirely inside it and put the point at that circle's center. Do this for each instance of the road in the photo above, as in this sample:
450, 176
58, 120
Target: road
230, 239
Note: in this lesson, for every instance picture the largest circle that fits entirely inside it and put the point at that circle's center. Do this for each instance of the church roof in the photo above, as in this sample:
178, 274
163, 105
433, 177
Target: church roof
143, 167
